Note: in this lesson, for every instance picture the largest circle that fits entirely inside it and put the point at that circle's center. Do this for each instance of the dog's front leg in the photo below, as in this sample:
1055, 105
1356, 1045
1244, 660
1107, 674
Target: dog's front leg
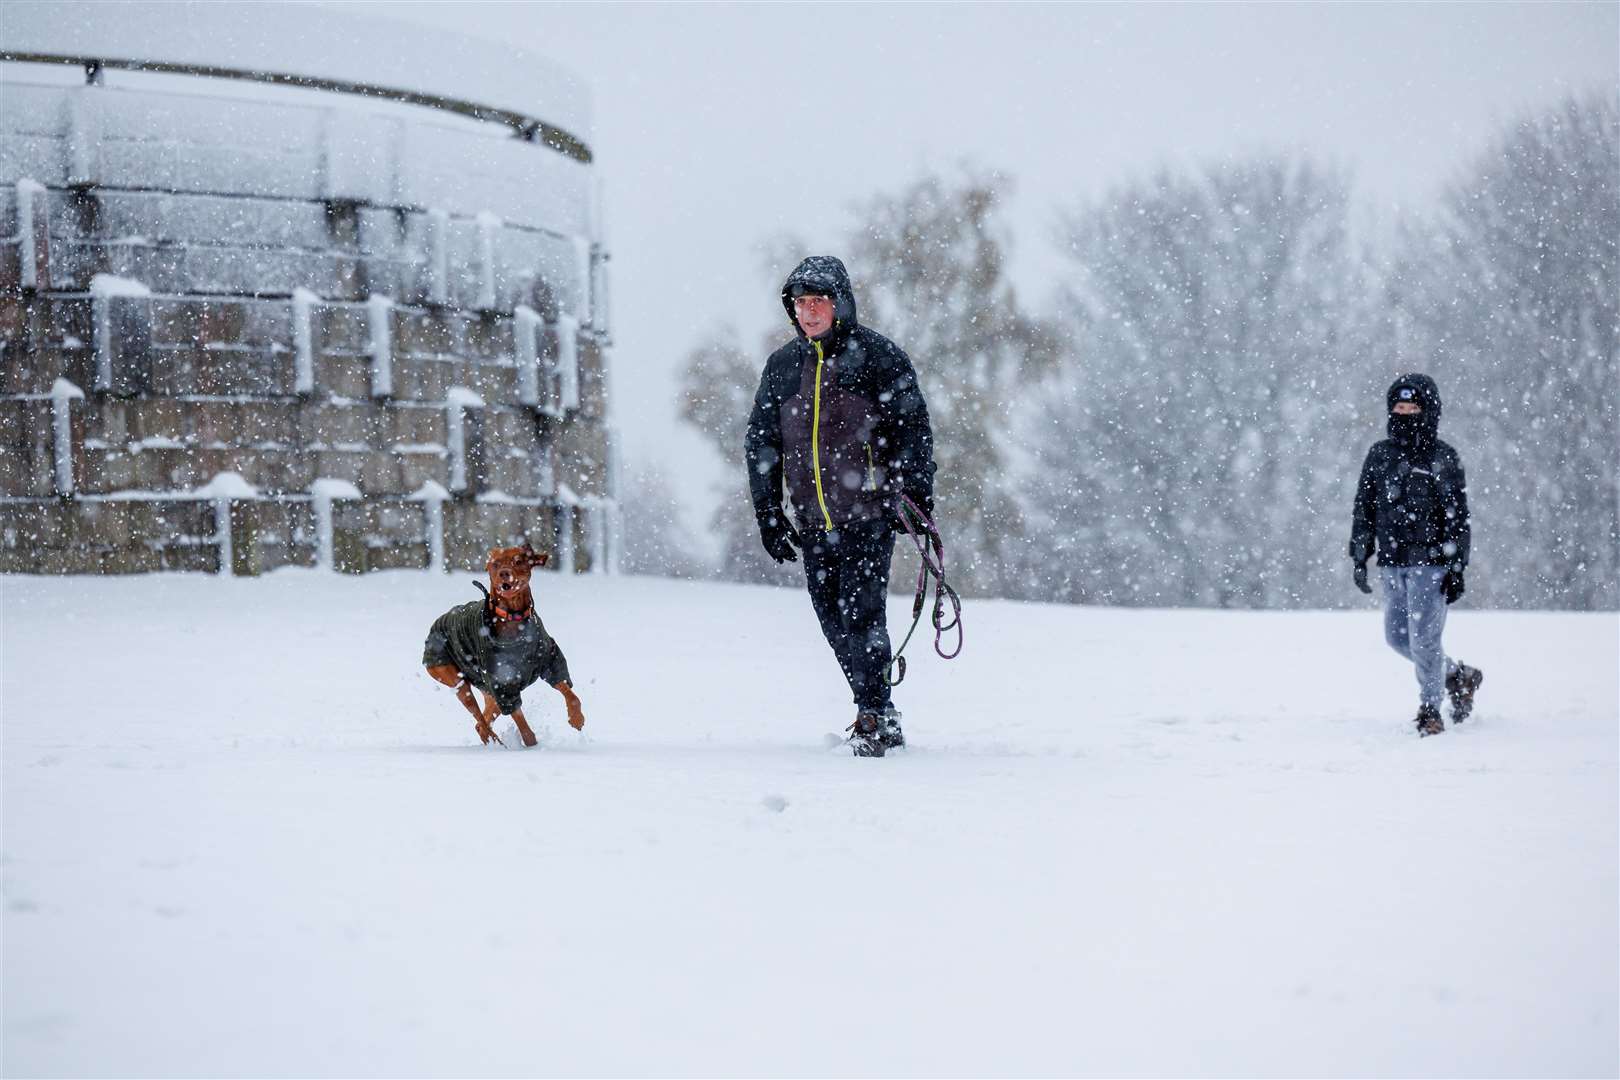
464, 694
451, 676
576, 717
486, 718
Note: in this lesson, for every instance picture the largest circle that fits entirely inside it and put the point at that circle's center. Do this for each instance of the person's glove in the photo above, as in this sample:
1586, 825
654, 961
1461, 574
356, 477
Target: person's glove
1361, 578
1452, 584
899, 513
779, 536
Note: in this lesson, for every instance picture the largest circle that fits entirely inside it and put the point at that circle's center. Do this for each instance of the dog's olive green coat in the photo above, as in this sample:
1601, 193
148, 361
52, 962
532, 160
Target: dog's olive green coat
502, 667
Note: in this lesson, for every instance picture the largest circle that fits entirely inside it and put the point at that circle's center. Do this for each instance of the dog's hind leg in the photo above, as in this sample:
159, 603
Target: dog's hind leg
524, 731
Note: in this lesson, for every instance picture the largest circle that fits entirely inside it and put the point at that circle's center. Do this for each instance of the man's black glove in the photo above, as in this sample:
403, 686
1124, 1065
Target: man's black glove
1361, 578
899, 513
1452, 584
779, 536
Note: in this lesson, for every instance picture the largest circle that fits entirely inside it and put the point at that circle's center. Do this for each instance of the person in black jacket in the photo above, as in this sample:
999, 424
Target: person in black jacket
840, 421
1412, 500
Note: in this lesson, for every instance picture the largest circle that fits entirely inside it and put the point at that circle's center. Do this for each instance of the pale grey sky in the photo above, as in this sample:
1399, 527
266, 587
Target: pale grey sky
718, 125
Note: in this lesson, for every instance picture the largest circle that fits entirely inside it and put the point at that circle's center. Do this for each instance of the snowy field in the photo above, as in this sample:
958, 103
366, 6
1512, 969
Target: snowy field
244, 834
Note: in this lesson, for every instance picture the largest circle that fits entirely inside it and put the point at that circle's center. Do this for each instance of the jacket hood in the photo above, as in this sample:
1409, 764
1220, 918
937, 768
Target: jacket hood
1423, 391
823, 274
1420, 430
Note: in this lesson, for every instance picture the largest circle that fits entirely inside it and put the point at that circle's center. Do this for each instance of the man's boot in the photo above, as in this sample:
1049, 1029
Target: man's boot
1460, 687
866, 734
1428, 721
893, 737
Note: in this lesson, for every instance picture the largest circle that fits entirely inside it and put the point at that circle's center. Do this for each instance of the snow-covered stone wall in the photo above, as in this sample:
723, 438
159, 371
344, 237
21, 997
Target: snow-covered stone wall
304, 295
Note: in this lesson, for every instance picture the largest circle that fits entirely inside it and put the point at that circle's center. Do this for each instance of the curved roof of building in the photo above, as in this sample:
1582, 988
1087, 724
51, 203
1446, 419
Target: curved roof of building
310, 45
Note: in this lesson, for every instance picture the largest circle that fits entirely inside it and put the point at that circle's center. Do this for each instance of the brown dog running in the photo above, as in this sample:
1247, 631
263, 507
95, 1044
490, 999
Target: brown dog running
500, 646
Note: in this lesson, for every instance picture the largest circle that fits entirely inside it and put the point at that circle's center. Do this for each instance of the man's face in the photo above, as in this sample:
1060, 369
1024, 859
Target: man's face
814, 313
1407, 408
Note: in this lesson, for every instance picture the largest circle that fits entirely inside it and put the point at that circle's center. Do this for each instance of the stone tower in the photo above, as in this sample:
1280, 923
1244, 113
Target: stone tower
293, 286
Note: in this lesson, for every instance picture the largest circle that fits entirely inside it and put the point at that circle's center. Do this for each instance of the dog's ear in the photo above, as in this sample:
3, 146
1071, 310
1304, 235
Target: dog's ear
535, 558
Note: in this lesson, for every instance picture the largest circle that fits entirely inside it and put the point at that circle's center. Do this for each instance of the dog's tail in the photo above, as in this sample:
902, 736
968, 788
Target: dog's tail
479, 585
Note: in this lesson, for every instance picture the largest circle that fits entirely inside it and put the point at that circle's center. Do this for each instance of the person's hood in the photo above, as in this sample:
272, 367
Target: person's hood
1423, 391
1423, 428
823, 274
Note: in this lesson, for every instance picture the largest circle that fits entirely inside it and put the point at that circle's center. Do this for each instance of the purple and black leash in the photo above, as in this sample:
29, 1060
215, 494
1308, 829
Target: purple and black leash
931, 550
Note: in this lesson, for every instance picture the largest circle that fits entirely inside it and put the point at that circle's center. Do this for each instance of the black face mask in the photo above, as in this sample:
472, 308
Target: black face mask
1410, 430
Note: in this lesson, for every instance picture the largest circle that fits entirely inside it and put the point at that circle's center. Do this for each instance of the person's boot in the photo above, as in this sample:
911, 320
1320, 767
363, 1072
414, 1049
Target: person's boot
1460, 687
1428, 721
893, 737
866, 734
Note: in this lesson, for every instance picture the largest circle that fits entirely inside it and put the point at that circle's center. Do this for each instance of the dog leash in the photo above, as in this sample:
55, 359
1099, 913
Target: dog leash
931, 550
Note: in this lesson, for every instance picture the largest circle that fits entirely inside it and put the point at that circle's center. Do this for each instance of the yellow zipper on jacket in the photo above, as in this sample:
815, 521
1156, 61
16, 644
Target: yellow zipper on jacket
815, 438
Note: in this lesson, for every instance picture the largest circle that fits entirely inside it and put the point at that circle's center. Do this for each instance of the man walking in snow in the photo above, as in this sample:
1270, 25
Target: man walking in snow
1412, 499
839, 420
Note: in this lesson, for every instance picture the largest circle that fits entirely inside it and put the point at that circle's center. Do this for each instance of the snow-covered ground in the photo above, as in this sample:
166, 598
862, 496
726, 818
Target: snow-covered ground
244, 834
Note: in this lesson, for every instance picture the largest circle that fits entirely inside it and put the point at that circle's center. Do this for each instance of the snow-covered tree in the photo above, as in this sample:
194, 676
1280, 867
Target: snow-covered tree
1519, 313
929, 268
1189, 451
1193, 434
927, 264
718, 382
656, 542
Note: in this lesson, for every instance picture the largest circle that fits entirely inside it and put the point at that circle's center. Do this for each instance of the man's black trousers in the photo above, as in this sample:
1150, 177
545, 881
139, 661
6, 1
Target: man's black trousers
847, 573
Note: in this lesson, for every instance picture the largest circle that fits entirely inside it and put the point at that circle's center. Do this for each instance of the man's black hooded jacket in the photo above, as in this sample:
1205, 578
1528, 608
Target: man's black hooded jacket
1412, 497
839, 419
